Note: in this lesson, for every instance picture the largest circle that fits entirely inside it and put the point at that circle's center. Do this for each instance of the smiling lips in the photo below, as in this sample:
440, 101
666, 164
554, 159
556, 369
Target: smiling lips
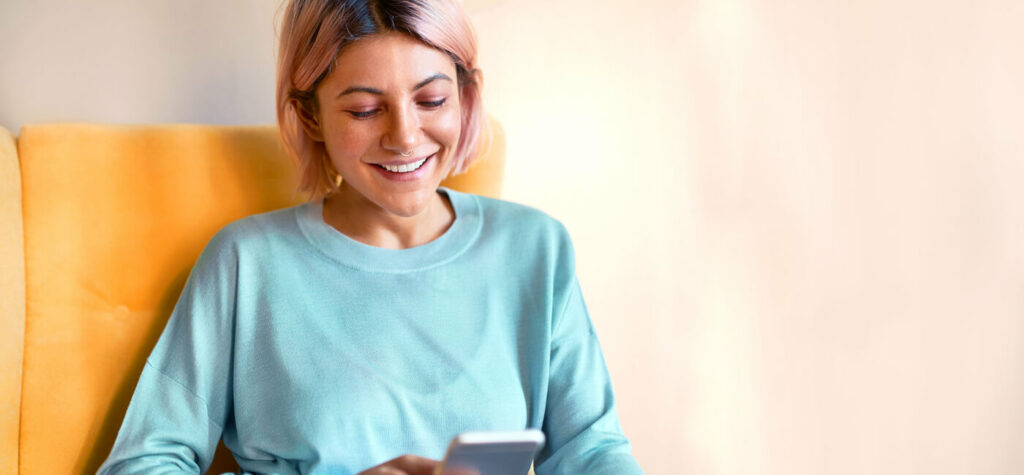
405, 167
406, 172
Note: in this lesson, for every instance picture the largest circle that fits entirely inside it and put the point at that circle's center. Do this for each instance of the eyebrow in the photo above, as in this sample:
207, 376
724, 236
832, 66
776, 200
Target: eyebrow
378, 92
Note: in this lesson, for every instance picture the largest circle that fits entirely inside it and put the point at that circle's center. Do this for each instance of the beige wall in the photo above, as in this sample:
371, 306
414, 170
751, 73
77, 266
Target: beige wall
126, 61
798, 223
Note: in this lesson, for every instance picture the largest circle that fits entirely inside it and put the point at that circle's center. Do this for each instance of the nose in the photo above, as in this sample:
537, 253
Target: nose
402, 131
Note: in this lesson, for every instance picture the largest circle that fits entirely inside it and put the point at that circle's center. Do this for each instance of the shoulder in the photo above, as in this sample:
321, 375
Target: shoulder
521, 219
263, 224
525, 232
255, 233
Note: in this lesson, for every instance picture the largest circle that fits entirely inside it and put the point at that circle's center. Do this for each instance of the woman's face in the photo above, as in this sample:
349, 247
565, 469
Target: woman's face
391, 102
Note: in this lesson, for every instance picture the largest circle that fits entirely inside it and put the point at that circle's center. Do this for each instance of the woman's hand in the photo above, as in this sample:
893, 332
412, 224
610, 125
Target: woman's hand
411, 465
404, 465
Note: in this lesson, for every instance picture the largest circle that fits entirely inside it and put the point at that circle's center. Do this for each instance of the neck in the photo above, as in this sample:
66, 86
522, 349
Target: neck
353, 215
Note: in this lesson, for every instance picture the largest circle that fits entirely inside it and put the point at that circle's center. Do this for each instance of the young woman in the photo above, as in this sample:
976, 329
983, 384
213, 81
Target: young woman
364, 329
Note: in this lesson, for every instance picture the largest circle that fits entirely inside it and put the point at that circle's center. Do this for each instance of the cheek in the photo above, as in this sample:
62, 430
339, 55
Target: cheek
342, 141
448, 127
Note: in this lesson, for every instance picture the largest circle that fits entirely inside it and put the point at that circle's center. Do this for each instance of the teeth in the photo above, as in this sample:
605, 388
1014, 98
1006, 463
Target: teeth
404, 168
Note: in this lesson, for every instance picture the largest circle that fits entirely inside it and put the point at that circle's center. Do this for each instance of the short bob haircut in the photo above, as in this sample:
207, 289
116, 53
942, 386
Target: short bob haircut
313, 32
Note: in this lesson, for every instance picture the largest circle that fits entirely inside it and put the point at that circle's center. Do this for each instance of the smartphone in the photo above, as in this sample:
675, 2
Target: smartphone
491, 453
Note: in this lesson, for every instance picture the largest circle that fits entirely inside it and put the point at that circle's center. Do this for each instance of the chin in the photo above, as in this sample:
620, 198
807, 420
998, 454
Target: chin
408, 204
402, 199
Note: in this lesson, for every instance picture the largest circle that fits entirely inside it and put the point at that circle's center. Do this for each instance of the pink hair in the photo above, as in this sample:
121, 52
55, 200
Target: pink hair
313, 32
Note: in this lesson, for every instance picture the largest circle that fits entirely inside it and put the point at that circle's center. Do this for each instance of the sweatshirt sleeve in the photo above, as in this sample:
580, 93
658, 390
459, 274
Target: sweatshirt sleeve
580, 421
182, 399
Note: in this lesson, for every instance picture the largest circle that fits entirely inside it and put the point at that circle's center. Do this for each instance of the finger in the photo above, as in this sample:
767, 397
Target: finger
414, 464
382, 470
461, 471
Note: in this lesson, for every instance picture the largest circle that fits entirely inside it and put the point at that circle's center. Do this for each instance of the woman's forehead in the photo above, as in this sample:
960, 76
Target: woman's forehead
390, 59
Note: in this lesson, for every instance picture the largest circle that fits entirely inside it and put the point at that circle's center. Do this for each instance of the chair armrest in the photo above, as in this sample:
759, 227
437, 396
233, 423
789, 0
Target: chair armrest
12, 302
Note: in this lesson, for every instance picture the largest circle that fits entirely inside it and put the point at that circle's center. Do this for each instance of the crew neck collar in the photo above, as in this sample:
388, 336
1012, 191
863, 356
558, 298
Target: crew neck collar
336, 245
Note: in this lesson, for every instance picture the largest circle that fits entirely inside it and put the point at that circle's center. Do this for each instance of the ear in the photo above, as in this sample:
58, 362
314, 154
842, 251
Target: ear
310, 122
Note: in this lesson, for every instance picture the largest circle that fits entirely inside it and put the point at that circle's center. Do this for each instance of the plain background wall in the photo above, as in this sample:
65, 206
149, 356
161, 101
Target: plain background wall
798, 224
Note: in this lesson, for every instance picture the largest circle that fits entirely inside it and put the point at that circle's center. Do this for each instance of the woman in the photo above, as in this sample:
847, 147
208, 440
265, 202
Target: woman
386, 315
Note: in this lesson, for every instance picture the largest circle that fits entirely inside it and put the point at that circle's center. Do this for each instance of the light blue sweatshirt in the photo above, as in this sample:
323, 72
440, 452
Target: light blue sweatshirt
309, 352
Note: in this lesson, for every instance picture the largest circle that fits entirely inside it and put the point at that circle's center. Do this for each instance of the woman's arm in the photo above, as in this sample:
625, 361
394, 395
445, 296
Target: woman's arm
580, 421
167, 429
182, 400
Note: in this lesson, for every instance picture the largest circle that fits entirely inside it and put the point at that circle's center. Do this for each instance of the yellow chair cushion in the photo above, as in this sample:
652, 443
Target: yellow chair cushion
12, 302
114, 218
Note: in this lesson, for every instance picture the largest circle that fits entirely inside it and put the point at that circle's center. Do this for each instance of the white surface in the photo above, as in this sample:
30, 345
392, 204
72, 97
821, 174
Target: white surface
500, 437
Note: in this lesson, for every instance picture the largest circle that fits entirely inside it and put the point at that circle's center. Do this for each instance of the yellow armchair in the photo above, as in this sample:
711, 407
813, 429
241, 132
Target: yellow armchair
100, 228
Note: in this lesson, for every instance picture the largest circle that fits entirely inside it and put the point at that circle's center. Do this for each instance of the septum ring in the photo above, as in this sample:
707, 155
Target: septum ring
406, 154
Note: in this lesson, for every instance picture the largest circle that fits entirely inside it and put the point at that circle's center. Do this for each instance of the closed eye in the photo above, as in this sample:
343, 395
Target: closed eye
434, 104
363, 114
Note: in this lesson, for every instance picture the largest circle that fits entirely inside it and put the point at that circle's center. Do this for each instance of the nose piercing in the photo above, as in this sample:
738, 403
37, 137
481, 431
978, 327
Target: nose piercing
406, 154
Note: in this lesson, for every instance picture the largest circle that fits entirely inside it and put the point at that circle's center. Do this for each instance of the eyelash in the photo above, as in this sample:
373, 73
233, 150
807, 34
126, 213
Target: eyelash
429, 105
434, 104
363, 115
